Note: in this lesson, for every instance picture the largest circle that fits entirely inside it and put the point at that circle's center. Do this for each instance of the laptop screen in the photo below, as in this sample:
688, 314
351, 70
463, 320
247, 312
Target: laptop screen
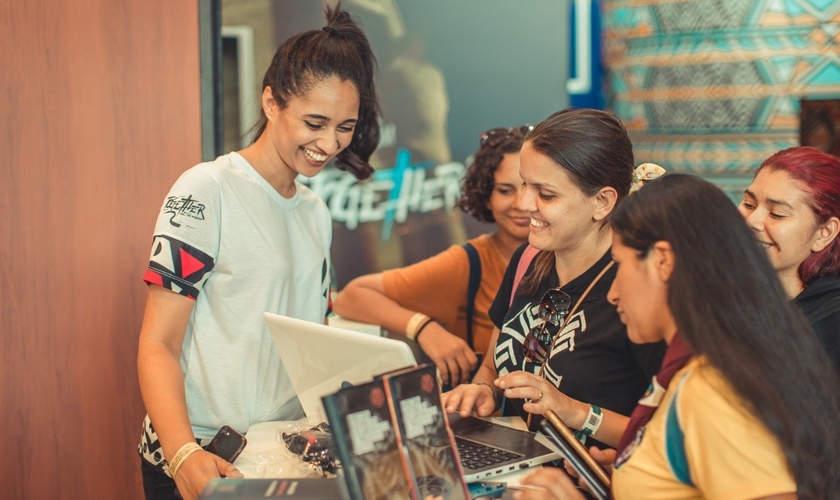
320, 358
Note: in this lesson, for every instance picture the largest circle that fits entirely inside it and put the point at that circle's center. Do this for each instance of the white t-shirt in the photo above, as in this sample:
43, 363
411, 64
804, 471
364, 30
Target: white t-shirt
227, 238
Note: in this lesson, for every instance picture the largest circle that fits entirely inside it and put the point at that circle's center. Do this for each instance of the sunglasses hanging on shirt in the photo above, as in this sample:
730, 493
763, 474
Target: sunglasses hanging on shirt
554, 306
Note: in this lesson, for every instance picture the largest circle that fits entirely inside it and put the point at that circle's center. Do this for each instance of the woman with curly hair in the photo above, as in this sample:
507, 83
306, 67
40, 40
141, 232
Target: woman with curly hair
431, 296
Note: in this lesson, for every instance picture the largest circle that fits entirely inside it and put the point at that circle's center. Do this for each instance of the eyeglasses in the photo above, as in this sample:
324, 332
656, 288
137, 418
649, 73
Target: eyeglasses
496, 135
554, 306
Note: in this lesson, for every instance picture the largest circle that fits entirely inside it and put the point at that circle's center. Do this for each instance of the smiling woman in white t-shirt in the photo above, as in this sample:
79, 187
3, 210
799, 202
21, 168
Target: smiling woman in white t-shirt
239, 236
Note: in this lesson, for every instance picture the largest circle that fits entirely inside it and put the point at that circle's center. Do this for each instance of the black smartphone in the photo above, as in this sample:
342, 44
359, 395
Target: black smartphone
573, 451
227, 443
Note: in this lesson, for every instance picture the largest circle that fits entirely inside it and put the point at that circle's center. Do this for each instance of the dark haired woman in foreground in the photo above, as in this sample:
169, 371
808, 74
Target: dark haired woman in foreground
239, 236
753, 413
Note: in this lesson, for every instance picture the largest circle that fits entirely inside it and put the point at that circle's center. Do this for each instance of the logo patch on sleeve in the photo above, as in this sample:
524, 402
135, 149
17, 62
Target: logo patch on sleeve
183, 206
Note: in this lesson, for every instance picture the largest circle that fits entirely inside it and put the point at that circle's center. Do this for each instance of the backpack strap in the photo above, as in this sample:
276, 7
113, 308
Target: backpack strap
472, 289
524, 261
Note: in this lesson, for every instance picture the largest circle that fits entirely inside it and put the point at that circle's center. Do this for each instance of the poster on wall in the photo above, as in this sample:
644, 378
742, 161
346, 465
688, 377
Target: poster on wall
447, 71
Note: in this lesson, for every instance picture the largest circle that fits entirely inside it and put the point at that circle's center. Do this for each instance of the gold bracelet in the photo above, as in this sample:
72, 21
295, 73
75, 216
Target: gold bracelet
414, 324
181, 455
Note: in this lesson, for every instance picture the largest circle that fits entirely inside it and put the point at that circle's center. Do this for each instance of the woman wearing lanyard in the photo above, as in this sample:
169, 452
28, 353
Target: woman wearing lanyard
559, 344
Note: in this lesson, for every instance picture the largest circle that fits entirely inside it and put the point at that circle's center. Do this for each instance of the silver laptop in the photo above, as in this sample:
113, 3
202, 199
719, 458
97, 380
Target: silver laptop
488, 449
320, 359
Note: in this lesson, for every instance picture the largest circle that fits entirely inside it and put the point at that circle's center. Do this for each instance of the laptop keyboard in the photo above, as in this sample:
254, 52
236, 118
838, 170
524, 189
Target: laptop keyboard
477, 456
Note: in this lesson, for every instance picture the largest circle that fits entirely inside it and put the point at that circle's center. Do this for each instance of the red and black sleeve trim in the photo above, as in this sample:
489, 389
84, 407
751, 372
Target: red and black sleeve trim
178, 266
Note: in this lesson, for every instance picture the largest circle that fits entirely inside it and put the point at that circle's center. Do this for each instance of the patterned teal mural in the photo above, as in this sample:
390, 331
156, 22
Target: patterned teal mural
713, 87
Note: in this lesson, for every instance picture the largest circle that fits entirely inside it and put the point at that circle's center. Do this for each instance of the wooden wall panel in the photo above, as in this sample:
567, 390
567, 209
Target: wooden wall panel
99, 113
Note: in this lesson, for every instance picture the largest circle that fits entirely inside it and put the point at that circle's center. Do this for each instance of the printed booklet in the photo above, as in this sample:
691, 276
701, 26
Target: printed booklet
393, 438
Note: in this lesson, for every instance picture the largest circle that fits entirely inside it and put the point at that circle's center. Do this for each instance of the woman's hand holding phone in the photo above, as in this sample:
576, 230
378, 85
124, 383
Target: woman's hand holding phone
198, 469
216, 460
227, 443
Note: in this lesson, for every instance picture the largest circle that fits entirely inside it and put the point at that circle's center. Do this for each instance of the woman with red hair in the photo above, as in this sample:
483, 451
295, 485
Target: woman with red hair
793, 206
